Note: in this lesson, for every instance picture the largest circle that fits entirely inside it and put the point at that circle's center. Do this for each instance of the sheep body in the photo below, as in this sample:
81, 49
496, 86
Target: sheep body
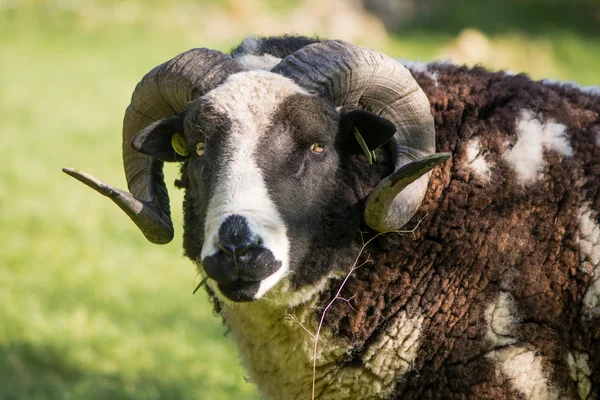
492, 290
494, 295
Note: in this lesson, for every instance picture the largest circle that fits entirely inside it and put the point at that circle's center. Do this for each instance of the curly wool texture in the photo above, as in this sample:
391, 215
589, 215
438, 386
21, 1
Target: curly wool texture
486, 233
493, 281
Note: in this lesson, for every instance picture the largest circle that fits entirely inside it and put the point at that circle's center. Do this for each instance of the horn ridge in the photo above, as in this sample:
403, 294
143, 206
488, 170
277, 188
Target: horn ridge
354, 75
163, 92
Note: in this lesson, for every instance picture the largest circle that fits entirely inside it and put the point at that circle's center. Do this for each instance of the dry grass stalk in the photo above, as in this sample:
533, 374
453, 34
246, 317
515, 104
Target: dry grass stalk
337, 296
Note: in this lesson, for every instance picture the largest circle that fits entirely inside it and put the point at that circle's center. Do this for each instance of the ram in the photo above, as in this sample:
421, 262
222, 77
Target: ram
349, 256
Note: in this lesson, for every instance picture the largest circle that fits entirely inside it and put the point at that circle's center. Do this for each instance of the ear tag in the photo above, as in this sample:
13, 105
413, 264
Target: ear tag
180, 145
363, 145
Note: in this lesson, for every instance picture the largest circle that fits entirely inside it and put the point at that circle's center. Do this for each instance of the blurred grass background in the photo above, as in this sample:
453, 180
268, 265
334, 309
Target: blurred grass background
88, 308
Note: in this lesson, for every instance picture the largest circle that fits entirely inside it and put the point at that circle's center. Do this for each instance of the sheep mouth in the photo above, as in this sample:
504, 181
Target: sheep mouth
239, 291
241, 278
253, 266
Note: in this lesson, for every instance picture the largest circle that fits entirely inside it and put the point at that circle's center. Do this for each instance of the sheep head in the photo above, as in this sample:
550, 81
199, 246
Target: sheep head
263, 153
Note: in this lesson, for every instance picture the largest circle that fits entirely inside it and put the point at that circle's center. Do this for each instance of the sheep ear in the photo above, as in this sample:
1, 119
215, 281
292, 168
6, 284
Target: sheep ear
363, 131
163, 140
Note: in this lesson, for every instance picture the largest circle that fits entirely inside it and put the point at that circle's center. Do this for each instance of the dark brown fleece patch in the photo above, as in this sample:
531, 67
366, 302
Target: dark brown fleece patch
478, 238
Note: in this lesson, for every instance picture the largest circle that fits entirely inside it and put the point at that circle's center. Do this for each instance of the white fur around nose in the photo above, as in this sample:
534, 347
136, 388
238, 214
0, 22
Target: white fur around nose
249, 100
533, 137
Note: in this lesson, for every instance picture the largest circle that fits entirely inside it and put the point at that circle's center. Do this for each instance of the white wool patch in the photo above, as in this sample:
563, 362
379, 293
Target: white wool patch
419, 67
521, 366
395, 351
274, 347
434, 76
598, 136
416, 66
251, 62
250, 45
589, 241
524, 369
282, 295
589, 245
476, 160
276, 344
249, 99
533, 138
501, 317
593, 90
579, 371
383, 363
549, 81
591, 300
590, 90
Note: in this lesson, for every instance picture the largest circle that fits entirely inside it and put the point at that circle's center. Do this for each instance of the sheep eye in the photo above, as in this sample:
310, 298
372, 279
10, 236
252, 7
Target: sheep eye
200, 148
317, 147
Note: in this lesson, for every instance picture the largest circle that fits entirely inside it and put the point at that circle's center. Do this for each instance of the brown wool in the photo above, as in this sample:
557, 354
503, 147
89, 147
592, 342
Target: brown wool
482, 237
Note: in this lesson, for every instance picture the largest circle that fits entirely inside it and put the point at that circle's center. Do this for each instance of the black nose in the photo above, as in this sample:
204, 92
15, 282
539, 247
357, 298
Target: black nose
235, 236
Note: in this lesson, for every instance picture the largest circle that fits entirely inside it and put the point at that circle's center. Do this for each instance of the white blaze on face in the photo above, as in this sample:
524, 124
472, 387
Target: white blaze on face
533, 137
249, 100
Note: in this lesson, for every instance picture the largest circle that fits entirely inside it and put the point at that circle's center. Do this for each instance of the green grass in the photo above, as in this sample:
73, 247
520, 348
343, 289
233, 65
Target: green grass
88, 308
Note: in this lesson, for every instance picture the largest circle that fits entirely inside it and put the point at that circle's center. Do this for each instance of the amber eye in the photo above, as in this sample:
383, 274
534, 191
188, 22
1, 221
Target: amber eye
317, 147
200, 148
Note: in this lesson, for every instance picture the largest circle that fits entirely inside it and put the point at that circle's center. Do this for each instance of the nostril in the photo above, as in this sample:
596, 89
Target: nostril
237, 249
235, 236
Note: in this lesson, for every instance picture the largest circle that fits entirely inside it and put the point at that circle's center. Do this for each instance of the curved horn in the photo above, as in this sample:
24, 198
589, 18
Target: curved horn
350, 74
165, 91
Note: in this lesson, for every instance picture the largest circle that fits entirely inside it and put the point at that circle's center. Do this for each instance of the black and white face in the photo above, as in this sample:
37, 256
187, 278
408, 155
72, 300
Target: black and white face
264, 160
264, 167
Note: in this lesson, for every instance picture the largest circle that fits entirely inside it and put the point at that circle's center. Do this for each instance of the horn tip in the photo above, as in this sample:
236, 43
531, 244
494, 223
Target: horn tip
69, 171
162, 238
91, 181
444, 156
154, 229
77, 174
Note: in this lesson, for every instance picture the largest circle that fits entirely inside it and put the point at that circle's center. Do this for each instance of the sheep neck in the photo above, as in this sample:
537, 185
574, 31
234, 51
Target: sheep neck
276, 346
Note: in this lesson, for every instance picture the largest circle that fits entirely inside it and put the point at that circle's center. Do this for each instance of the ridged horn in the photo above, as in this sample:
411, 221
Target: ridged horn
353, 75
163, 92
